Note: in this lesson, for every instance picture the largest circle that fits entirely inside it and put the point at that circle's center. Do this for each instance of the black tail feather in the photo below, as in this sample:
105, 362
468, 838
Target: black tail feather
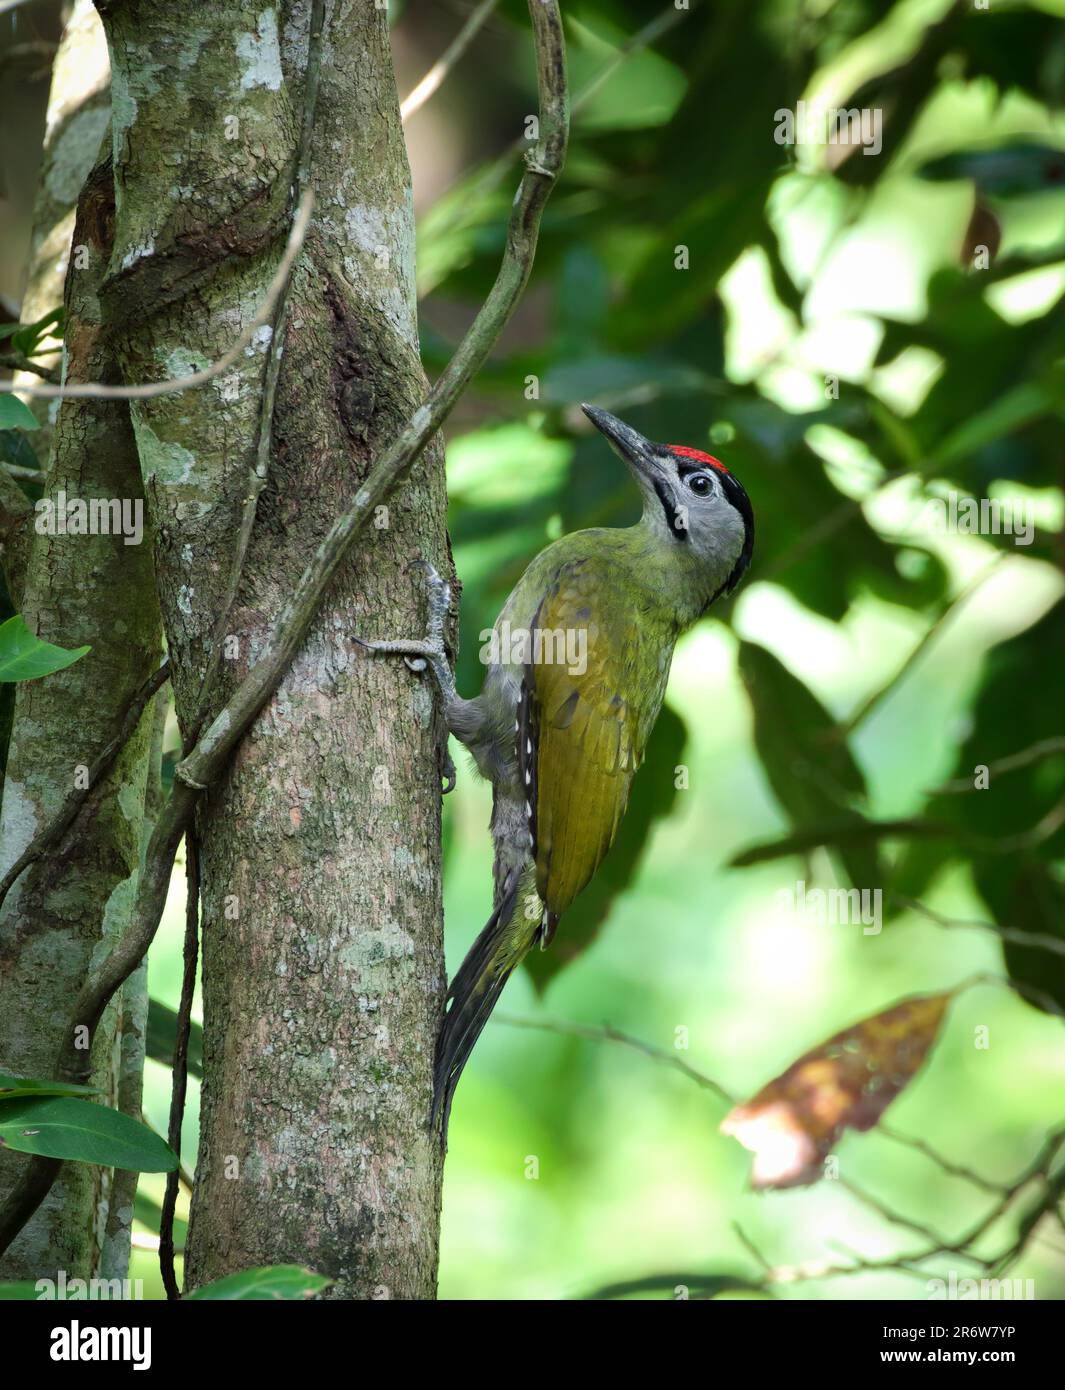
473, 994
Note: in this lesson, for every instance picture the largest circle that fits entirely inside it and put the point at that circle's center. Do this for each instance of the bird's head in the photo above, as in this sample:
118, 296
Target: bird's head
691, 500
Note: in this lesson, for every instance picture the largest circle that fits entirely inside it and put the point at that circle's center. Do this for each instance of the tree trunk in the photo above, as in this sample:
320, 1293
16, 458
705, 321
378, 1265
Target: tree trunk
79, 109
63, 910
320, 849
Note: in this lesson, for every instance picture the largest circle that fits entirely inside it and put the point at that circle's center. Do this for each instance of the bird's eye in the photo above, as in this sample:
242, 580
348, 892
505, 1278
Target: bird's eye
700, 484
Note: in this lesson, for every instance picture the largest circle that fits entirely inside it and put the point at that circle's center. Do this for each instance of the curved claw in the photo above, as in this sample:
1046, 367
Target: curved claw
448, 773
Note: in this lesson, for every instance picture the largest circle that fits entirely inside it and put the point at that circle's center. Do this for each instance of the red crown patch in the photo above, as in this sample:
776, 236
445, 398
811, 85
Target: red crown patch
687, 453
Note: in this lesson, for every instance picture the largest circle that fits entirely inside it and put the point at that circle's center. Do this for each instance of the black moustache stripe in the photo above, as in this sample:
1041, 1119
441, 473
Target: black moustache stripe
665, 496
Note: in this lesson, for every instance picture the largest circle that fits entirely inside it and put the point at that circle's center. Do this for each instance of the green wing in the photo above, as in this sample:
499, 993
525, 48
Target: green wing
586, 729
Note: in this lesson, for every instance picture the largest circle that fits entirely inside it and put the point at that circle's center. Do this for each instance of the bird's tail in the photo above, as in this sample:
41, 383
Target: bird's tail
506, 938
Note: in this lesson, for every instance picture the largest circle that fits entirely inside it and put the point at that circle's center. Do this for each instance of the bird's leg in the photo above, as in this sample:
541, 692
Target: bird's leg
463, 717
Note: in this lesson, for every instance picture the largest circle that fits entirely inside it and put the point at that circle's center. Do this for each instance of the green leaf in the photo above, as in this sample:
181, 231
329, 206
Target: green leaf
1015, 168
16, 448
24, 657
807, 761
15, 415
1024, 889
1029, 897
28, 337
272, 1281
162, 1033
59, 1127
13, 1087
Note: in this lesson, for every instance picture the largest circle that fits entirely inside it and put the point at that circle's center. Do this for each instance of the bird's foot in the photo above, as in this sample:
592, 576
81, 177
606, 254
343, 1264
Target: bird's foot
448, 772
417, 655
429, 651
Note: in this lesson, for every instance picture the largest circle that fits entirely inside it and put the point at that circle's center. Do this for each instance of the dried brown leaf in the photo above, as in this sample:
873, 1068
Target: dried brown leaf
848, 1082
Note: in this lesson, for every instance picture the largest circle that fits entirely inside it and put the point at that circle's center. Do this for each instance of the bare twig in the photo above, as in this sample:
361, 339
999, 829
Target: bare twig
180, 1064
1045, 748
19, 362
749, 1244
27, 475
851, 831
1038, 940
96, 390
1044, 828
442, 67
856, 830
956, 1170
1039, 1168
635, 43
606, 1033
895, 1217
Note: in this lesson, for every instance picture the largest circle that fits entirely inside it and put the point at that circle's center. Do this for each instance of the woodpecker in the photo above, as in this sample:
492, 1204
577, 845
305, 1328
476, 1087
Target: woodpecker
578, 667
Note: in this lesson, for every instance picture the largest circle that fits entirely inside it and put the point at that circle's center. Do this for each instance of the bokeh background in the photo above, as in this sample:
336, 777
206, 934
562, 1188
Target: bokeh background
853, 334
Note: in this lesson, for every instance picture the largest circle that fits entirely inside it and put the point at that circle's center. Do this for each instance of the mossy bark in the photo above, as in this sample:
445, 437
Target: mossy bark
322, 958
78, 589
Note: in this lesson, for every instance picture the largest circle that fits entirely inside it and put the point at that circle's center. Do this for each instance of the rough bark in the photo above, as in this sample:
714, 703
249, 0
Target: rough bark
320, 850
72, 904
